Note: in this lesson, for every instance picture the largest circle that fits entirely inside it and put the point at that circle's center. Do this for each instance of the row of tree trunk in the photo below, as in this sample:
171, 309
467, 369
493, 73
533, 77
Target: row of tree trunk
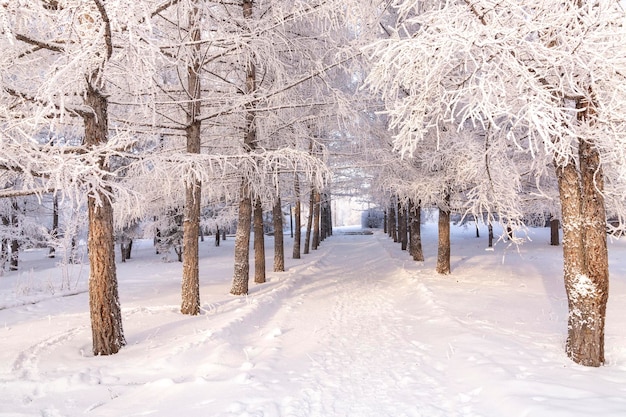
402, 222
319, 226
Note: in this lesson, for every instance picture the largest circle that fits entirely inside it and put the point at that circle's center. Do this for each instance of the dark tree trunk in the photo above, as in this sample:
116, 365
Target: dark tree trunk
316, 220
259, 243
392, 222
297, 237
385, 221
323, 218
443, 251
554, 232
157, 242
309, 223
190, 290
490, 234
54, 233
242, 243
126, 246
415, 220
509, 233
15, 255
279, 246
15, 243
402, 229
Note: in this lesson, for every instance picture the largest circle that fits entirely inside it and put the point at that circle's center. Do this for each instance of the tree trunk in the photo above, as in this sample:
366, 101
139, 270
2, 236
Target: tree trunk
385, 221
241, 273
585, 254
190, 291
15, 243
259, 243
415, 220
54, 233
587, 346
279, 246
15, 255
242, 243
554, 232
392, 223
443, 250
297, 237
316, 220
104, 304
309, 222
323, 218
402, 229
490, 235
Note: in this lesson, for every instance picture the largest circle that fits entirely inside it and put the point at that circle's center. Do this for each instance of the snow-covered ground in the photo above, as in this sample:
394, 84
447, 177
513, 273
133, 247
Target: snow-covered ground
354, 329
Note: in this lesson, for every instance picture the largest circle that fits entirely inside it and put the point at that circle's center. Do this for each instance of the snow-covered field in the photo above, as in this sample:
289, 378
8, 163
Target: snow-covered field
354, 329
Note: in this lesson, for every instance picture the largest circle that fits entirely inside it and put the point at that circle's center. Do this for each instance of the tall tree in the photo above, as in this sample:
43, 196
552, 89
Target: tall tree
443, 247
242, 237
297, 237
279, 247
259, 242
415, 225
528, 89
193, 187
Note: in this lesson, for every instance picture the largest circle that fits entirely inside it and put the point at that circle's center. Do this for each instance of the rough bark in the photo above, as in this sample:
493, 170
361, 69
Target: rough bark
309, 222
190, 291
316, 220
402, 226
104, 305
573, 249
297, 237
554, 232
279, 246
587, 345
259, 243
443, 250
241, 273
415, 220
392, 223
585, 253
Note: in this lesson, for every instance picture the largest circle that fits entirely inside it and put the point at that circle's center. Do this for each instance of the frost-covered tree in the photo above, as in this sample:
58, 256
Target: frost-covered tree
544, 76
64, 66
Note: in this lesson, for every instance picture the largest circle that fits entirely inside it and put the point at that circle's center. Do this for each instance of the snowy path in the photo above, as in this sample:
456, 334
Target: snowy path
354, 329
370, 358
